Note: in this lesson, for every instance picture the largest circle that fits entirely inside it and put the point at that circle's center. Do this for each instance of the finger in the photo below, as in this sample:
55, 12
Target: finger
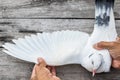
96, 47
33, 73
105, 45
43, 73
53, 71
49, 68
115, 54
41, 62
116, 64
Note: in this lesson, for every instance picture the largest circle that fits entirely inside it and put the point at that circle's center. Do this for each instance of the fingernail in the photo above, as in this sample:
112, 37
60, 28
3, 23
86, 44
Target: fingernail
95, 45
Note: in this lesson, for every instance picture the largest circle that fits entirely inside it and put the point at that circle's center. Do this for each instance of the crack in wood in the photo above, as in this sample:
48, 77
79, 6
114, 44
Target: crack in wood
6, 38
29, 31
5, 23
34, 3
48, 2
1, 47
1, 31
37, 3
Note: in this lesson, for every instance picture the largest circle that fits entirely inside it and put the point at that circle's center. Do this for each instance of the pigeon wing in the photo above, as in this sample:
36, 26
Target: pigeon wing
57, 48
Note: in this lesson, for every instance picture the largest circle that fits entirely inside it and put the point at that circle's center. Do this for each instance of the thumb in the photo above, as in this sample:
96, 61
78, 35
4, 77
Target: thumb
103, 45
33, 75
40, 66
41, 63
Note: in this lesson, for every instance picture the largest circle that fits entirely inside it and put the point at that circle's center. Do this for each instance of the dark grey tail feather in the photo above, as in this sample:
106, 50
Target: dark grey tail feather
103, 9
110, 3
106, 3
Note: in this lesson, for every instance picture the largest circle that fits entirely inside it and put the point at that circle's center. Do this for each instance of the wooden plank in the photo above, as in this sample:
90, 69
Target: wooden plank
1, 11
15, 69
21, 70
51, 8
46, 25
15, 28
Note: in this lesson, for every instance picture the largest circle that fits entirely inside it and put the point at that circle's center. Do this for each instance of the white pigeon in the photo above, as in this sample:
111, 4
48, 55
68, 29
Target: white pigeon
104, 30
70, 47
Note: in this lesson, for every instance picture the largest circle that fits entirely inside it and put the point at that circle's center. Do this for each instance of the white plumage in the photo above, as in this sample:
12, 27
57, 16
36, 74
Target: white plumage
70, 47
57, 48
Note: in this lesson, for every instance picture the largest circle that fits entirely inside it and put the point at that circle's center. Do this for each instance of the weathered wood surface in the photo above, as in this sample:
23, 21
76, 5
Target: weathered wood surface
15, 28
50, 8
15, 69
24, 17
21, 70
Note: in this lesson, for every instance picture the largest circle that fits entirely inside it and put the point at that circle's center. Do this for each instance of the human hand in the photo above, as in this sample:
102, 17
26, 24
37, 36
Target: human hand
114, 49
42, 72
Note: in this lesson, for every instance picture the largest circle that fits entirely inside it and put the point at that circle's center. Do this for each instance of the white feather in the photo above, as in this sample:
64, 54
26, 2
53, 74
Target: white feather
57, 48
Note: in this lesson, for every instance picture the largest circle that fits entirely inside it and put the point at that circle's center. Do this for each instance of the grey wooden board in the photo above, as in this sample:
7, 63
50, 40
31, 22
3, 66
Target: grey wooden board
50, 9
16, 28
26, 17
15, 69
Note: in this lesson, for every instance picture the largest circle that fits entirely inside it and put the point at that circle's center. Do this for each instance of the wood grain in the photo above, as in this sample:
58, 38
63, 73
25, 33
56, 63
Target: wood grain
25, 17
21, 70
50, 9
15, 69
16, 28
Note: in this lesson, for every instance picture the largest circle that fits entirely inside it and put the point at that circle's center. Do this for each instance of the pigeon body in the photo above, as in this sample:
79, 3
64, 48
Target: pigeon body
71, 47
104, 30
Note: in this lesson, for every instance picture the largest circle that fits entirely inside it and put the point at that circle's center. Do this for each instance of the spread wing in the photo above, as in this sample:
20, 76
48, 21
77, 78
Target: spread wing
57, 48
